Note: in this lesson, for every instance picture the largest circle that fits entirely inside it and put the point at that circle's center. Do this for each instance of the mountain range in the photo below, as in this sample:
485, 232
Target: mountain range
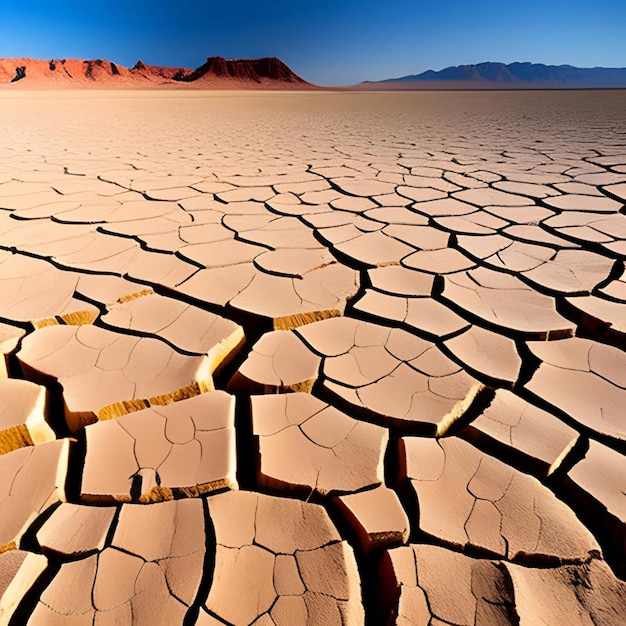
272, 73
217, 72
517, 76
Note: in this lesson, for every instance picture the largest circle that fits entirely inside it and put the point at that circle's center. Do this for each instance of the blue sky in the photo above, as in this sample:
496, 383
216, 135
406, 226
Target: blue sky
327, 42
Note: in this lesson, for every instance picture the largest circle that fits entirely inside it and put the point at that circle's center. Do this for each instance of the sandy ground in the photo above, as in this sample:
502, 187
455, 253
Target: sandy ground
326, 358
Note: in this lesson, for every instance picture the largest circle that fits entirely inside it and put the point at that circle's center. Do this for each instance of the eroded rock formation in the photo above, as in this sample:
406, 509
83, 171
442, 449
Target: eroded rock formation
216, 72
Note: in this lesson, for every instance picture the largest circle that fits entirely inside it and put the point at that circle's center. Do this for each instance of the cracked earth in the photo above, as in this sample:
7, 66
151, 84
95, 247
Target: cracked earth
317, 358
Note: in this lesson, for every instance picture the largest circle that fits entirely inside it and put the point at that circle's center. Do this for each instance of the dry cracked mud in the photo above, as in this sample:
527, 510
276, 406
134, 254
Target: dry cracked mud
312, 358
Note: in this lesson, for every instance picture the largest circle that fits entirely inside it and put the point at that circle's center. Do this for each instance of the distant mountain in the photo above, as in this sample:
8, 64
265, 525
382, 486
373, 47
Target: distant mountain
217, 72
521, 76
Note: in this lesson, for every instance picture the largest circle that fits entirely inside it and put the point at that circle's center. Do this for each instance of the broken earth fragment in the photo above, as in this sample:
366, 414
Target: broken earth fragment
594, 488
35, 292
424, 315
487, 353
431, 585
585, 379
9, 339
105, 374
156, 552
600, 474
512, 427
184, 449
307, 445
491, 507
376, 516
280, 558
188, 328
22, 415
426, 584
74, 530
32, 480
577, 594
279, 362
105, 289
606, 318
396, 378
321, 293
18, 572
505, 304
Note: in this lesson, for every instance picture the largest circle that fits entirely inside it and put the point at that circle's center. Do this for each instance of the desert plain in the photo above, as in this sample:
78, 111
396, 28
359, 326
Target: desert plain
312, 358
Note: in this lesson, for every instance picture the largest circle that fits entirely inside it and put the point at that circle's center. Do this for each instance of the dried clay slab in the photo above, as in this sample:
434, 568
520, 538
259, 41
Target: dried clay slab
106, 374
36, 292
306, 445
582, 594
584, 379
183, 449
33, 479
18, 572
425, 584
22, 415
491, 507
487, 353
505, 304
599, 477
187, 328
375, 516
9, 338
278, 362
594, 488
417, 587
75, 530
150, 573
511, 427
394, 377
282, 559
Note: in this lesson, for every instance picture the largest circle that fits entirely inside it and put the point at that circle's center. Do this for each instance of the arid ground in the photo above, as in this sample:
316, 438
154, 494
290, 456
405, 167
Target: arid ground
312, 358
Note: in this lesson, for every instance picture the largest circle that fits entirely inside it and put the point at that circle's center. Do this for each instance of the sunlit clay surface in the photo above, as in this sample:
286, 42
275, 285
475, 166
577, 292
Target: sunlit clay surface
312, 357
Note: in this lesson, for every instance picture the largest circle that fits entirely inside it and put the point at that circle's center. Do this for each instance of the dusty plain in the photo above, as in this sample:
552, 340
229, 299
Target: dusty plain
312, 358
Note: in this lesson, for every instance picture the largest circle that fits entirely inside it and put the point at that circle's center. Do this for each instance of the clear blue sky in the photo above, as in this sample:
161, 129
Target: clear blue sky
329, 42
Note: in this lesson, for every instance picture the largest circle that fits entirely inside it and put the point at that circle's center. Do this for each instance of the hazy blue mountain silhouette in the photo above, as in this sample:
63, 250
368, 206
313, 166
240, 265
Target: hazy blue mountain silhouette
523, 73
